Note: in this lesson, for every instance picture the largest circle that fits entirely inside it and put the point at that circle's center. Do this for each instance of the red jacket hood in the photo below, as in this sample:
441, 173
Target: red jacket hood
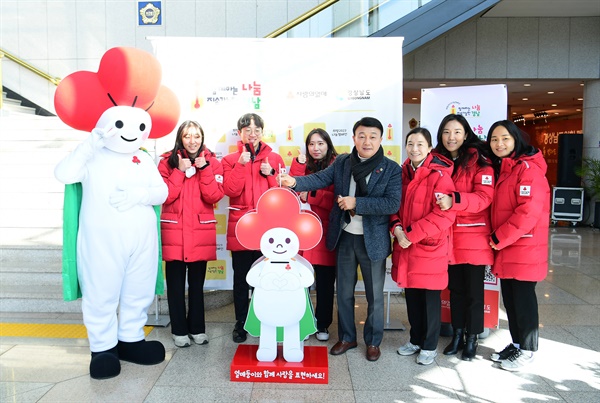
433, 162
533, 160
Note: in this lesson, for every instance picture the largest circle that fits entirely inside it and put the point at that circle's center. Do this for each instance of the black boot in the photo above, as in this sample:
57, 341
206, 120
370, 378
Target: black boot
470, 347
456, 344
142, 352
105, 364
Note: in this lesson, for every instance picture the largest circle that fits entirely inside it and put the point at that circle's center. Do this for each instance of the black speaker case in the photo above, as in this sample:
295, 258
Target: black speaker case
567, 204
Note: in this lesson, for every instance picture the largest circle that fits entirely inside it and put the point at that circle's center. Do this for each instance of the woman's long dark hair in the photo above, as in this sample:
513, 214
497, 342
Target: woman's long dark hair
471, 141
522, 145
311, 163
173, 158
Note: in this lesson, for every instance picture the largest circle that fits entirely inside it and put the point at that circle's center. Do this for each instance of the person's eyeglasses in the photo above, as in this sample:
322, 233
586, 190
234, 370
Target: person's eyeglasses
247, 131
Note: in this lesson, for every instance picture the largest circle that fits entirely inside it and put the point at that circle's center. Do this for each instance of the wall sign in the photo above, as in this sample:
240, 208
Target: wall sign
150, 13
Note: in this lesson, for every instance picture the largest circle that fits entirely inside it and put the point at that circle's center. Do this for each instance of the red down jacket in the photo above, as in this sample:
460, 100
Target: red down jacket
321, 202
520, 219
424, 264
187, 221
244, 185
471, 202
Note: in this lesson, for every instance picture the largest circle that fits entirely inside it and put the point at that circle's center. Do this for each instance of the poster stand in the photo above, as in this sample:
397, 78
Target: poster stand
157, 319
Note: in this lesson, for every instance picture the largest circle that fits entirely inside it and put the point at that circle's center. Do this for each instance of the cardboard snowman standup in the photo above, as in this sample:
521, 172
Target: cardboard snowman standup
117, 244
280, 309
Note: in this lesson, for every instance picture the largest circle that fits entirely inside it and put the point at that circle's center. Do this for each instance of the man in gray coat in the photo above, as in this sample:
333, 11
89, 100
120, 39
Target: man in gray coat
369, 187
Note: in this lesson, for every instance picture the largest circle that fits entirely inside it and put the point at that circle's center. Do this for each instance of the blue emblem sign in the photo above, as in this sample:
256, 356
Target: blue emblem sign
149, 13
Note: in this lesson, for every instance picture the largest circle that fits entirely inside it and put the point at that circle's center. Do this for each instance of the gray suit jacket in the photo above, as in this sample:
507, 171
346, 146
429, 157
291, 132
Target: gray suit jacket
385, 190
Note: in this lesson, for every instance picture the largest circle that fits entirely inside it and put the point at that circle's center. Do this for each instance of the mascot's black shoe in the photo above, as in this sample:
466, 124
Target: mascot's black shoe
105, 364
142, 352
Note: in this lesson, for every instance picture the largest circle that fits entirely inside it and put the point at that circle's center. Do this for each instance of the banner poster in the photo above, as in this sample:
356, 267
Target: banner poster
295, 85
482, 106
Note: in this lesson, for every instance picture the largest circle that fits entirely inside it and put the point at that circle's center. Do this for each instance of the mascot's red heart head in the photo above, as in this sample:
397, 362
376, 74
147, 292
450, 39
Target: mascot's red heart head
126, 77
279, 208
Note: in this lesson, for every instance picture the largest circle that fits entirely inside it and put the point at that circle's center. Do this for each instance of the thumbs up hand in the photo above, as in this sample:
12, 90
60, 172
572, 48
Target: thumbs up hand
265, 168
184, 163
200, 161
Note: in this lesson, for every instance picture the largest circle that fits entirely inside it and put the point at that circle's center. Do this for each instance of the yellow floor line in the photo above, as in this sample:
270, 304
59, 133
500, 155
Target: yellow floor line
45, 330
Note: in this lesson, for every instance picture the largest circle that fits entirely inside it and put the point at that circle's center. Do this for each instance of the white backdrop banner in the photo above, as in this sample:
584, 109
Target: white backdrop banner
481, 105
295, 85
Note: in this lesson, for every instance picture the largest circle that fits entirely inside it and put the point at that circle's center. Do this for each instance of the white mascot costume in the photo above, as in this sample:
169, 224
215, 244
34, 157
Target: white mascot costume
280, 309
117, 244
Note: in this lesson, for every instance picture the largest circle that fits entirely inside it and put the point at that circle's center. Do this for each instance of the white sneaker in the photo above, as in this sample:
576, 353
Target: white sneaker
426, 357
504, 354
322, 335
408, 349
516, 361
181, 341
200, 338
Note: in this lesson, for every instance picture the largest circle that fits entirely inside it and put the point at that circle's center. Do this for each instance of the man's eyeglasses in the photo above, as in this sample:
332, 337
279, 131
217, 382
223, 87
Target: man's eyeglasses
248, 131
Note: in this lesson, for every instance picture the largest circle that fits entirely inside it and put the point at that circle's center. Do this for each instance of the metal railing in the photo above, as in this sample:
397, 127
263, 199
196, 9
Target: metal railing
347, 18
298, 20
23, 63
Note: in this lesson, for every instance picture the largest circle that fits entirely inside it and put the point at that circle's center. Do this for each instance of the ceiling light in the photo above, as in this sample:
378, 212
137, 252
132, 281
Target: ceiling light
580, 99
518, 119
556, 113
550, 92
581, 84
526, 85
414, 99
578, 110
554, 105
442, 85
532, 109
525, 99
514, 113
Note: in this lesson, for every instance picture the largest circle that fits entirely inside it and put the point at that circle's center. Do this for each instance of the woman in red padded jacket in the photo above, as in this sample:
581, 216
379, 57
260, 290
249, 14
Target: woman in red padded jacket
520, 218
422, 245
473, 177
188, 228
320, 154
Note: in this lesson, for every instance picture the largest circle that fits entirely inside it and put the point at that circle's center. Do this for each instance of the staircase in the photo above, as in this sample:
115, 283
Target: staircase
10, 105
31, 202
31, 210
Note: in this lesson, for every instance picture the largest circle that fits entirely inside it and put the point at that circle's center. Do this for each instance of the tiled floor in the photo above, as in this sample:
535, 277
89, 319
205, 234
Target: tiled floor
567, 366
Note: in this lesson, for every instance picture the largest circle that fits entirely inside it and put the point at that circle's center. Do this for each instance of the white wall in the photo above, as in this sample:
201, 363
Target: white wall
63, 36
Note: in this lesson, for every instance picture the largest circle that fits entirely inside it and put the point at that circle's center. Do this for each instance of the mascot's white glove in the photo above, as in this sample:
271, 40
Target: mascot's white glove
124, 199
95, 141
98, 136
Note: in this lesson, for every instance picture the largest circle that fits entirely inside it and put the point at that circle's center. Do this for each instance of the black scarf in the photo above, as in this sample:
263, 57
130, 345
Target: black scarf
362, 169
